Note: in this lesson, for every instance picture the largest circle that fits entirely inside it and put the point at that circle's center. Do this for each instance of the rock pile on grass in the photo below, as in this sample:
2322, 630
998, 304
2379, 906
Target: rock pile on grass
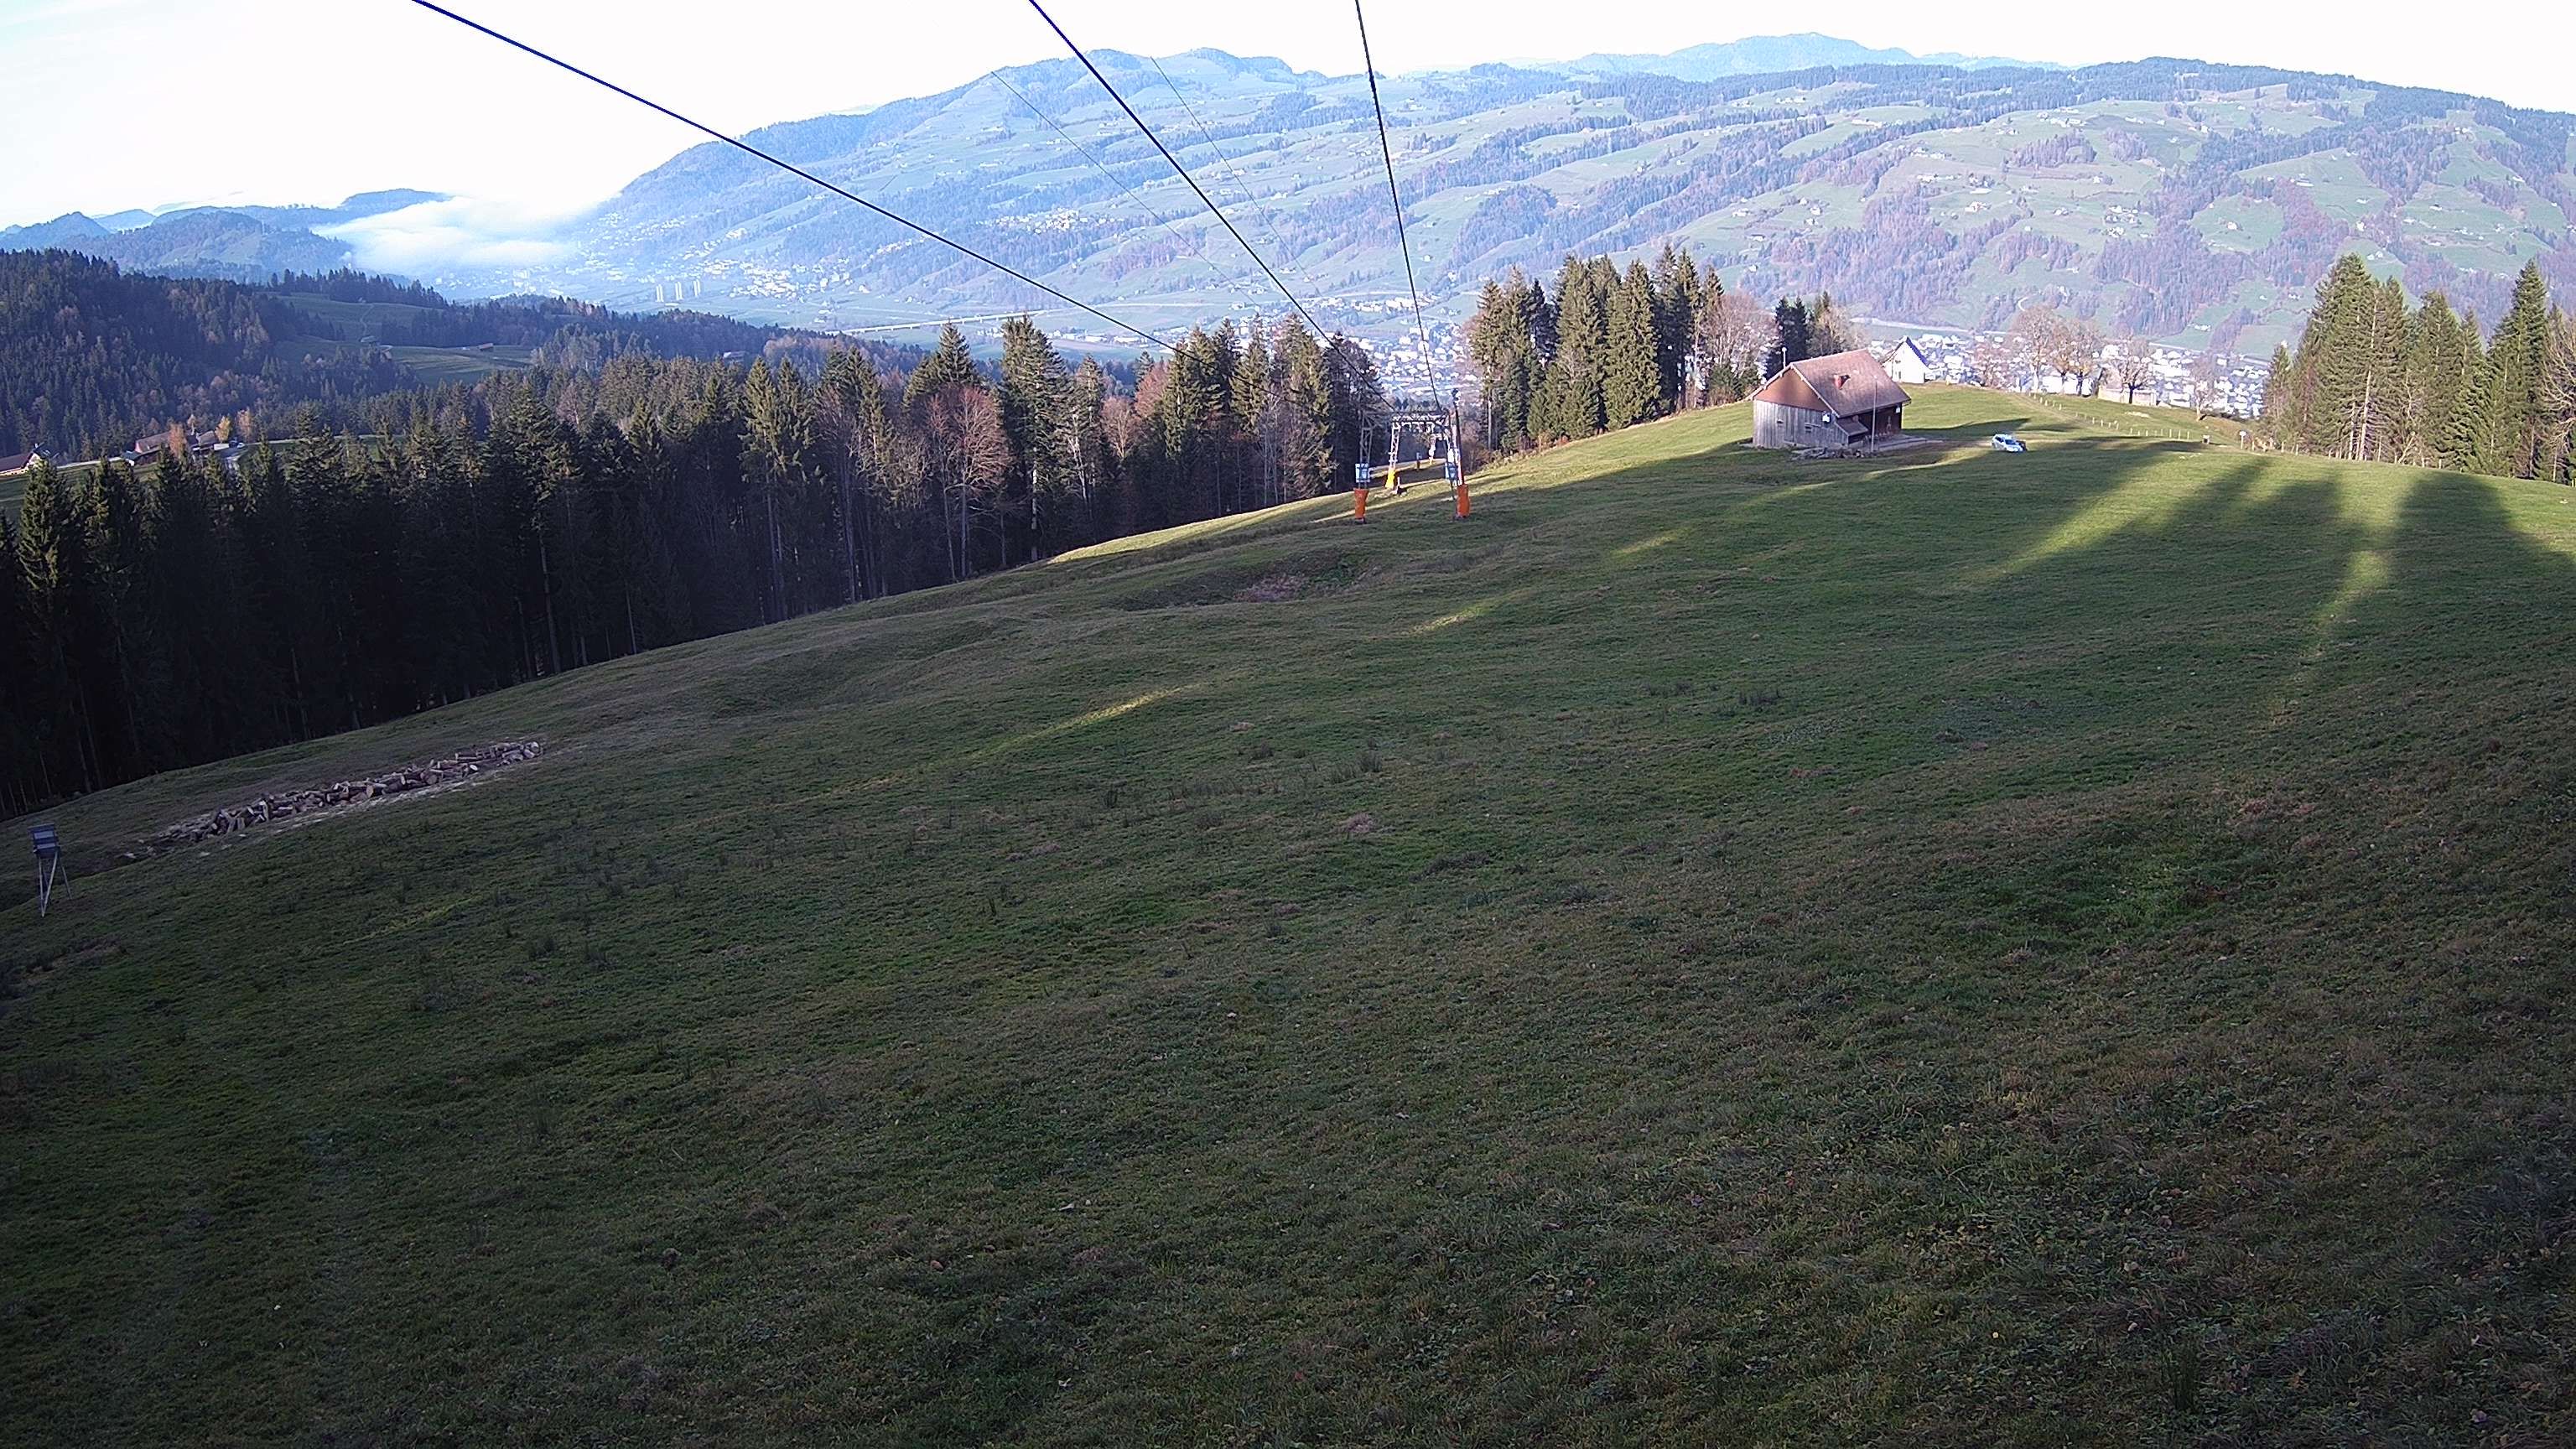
287, 804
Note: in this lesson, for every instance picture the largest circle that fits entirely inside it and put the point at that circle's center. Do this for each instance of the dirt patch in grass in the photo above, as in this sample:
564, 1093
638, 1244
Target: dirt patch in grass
1266, 582
27, 975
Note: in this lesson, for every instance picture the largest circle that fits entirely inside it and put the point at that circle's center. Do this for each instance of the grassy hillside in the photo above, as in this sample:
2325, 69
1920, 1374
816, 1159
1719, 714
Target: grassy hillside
1959, 949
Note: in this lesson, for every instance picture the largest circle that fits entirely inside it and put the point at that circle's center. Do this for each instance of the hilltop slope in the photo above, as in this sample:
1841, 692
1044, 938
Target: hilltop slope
1963, 949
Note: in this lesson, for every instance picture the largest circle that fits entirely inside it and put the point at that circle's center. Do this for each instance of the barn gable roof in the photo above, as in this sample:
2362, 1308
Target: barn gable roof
1844, 383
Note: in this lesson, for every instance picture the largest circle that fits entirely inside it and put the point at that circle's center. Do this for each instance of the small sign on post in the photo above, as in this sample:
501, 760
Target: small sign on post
1457, 484
1359, 491
49, 865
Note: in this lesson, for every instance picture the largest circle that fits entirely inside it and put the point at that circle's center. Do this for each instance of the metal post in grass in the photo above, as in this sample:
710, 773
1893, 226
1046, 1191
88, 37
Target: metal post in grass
49, 865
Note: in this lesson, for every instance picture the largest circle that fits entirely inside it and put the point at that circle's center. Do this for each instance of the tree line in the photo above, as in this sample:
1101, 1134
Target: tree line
455, 540
1611, 347
2373, 378
93, 357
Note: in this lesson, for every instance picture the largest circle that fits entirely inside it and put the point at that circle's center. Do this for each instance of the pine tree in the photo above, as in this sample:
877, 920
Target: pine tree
2384, 397
24, 707
1631, 375
1250, 414
2432, 378
1087, 448
1305, 413
2461, 438
2334, 364
53, 555
2509, 428
1678, 304
2282, 419
110, 509
1505, 352
855, 401
1571, 403
949, 365
1031, 398
1789, 324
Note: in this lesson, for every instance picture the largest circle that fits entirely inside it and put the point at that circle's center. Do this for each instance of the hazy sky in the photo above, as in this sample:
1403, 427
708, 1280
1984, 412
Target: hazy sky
118, 103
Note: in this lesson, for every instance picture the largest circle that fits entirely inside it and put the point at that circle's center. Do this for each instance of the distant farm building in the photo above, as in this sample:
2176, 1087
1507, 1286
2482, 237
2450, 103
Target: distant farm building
1906, 364
21, 462
1845, 400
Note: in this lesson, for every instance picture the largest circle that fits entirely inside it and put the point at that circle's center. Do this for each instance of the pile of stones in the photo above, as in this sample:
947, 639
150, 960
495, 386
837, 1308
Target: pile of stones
288, 804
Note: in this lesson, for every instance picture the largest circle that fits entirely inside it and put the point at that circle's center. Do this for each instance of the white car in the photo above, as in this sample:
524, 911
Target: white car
2010, 443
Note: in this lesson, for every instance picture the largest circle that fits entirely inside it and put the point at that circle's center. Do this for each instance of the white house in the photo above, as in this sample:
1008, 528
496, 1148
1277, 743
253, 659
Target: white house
1906, 364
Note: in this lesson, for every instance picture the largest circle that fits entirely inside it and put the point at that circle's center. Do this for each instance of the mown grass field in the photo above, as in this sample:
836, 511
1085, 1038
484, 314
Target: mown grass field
1959, 949
461, 364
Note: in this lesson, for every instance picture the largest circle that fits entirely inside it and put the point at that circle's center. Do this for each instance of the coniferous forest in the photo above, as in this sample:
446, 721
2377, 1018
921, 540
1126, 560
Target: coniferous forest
2373, 378
393, 553
1612, 347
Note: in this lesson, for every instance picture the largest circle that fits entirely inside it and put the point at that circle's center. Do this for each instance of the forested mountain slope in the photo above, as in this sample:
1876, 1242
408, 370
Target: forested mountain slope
92, 357
2192, 203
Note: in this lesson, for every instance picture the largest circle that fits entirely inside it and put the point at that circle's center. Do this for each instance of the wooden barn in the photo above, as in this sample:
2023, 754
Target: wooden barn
1845, 400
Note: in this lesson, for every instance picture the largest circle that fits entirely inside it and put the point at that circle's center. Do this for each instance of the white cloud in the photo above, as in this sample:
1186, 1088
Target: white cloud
458, 234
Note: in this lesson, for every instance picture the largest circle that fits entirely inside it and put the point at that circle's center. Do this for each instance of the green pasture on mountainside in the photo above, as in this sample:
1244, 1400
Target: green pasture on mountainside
1950, 949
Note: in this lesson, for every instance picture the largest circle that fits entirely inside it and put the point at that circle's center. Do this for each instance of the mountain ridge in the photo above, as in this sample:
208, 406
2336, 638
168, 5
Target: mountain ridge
1769, 54
2177, 199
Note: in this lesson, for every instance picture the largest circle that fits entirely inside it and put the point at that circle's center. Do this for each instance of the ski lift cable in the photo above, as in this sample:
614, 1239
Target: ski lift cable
1213, 210
1098, 165
794, 170
1240, 190
1386, 151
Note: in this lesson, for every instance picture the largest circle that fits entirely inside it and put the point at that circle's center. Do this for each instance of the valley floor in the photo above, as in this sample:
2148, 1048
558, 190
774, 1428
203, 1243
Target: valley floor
1960, 948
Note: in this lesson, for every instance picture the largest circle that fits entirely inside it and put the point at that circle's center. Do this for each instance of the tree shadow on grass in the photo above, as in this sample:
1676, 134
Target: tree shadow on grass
2341, 695
2261, 882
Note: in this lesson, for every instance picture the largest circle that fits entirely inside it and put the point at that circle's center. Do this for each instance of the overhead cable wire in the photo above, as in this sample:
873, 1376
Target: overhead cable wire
1168, 156
1098, 165
794, 170
1209, 136
1386, 150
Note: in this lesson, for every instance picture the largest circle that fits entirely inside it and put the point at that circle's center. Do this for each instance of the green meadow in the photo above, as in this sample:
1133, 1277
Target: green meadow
1950, 949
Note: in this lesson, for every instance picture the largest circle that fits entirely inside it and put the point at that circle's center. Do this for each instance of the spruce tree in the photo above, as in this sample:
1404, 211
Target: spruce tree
1087, 446
1250, 414
2432, 377
2280, 405
2384, 398
2333, 367
1032, 400
2510, 426
1571, 400
1789, 326
1677, 309
2462, 438
24, 710
53, 554
949, 365
1631, 377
